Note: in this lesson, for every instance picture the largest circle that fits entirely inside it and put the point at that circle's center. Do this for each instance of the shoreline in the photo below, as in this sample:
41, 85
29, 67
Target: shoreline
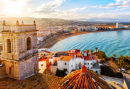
52, 41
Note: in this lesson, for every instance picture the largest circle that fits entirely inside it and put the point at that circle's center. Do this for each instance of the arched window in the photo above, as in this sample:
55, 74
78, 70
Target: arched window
8, 46
28, 43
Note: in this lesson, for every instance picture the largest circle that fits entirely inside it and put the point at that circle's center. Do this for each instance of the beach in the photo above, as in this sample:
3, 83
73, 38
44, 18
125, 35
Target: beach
50, 42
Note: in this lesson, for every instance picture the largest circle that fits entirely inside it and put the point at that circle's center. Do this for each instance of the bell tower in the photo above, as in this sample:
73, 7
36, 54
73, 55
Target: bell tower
19, 53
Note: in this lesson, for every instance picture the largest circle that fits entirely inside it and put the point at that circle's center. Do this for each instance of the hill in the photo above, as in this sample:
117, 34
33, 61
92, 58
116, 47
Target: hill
45, 21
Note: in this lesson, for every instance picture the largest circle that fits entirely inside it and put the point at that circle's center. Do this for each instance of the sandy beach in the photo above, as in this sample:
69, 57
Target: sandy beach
50, 42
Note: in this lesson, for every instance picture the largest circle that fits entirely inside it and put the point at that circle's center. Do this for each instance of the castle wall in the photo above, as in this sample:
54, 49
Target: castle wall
19, 28
19, 54
19, 45
12, 69
2, 71
28, 67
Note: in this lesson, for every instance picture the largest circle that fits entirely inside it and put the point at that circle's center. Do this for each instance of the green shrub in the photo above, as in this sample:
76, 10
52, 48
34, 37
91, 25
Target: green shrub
119, 75
61, 73
106, 70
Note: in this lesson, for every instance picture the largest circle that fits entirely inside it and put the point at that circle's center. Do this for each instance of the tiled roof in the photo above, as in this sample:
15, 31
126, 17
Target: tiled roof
79, 55
72, 54
83, 79
95, 58
88, 57
84, 52
65, 58
47, 51
43, 59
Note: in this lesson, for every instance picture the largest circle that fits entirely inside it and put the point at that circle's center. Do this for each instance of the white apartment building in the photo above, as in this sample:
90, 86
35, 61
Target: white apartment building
66, 62
73, 60
119, 25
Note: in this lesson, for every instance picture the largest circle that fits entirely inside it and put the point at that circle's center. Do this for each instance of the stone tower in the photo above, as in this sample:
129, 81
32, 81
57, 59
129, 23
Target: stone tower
19, 53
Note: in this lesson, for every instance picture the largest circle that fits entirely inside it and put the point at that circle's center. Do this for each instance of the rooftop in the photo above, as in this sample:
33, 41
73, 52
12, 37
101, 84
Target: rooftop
83, 79
65, 58
88, 57
43, 59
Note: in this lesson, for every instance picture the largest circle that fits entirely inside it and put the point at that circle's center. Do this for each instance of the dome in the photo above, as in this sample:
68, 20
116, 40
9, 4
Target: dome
83, 79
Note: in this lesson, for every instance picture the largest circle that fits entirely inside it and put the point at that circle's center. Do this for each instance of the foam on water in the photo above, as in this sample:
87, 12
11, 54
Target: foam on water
112, 42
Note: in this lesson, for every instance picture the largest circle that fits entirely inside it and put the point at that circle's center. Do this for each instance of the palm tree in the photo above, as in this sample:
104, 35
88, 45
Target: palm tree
91, 51
114, 55
96, 49
87, 51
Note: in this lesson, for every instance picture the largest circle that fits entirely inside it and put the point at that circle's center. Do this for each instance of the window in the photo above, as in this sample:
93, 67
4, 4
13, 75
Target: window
85, 63
96, 72
29, 43
88, 67
88, 63
65, 63
8, 46
91, 67
41, 64
91, 63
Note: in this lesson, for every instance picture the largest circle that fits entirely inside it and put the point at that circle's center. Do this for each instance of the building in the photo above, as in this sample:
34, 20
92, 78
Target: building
119, 25
66, 62
91, 28
84, 79
73, 60
19, 54
43, 62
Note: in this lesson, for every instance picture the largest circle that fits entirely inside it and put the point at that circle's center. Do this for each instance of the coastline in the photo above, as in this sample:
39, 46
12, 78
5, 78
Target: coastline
50, 42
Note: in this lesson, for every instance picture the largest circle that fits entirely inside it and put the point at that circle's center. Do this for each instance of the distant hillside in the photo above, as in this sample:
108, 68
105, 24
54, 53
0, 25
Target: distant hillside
45, 21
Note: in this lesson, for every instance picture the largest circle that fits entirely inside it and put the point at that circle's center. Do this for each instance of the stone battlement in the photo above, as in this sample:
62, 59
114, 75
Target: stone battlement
18, 27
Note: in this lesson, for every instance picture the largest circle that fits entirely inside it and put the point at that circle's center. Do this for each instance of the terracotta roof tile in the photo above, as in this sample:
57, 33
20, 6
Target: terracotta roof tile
43, 59
65, 58
88, 57
83, 79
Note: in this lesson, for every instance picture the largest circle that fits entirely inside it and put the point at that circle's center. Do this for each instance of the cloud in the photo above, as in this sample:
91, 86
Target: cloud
119, 3
49, 7
78, 9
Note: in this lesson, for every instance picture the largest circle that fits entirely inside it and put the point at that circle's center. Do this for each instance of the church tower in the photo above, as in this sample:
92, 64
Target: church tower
19, 53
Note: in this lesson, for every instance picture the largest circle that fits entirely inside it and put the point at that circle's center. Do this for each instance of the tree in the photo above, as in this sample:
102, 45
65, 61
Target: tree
124, 62
114, 55
91, 51
96, 49
101, 55
87, 51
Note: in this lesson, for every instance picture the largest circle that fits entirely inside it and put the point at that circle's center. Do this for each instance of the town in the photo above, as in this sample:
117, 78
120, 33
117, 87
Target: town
21, 58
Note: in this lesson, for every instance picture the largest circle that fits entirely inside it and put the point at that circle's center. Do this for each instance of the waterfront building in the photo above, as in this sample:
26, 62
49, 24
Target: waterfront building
73, 60
119, 25
43, 62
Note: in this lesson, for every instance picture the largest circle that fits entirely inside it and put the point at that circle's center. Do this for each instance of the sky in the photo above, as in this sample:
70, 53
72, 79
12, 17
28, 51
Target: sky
89, 10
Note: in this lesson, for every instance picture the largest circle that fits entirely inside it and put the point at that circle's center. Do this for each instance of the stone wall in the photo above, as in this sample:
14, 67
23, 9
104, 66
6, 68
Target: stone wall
28, 67
11, 68
2, 71
53, 70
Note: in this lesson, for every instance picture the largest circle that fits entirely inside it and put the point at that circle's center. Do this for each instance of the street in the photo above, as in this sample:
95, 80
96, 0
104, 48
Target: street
127, 79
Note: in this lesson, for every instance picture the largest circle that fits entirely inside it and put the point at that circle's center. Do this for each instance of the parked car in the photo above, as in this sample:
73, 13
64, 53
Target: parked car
123, 70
